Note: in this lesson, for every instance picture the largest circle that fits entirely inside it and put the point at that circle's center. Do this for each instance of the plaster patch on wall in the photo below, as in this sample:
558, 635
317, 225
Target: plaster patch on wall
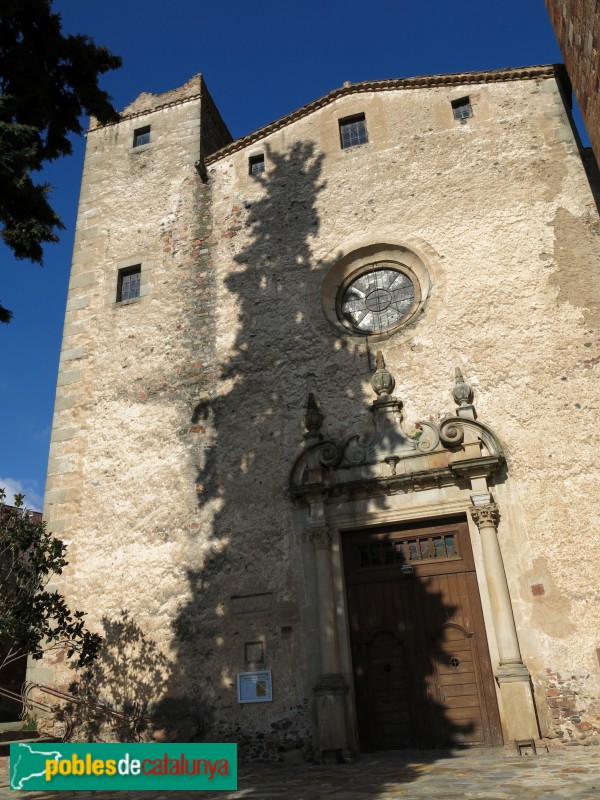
551, 610
577, 246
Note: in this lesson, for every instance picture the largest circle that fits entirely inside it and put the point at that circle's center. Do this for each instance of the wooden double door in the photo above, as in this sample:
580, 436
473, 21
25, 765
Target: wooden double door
422, 671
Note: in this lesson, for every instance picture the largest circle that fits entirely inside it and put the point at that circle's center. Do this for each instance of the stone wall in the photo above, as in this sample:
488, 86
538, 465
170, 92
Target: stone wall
574, 709
132, 483
577, 27
494, 206
135, 372
179, 416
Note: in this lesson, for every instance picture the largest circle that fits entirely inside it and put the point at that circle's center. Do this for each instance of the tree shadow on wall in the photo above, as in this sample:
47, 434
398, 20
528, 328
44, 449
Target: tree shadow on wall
251, 582
117, 695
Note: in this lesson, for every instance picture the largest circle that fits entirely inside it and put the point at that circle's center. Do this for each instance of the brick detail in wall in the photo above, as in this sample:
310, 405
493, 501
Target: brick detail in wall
576, 715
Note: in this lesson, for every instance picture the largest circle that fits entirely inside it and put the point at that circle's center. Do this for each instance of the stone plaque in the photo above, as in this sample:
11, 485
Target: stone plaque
252, 603
254, 652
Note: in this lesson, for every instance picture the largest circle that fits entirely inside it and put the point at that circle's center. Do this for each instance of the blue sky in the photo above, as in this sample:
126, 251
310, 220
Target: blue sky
260, 60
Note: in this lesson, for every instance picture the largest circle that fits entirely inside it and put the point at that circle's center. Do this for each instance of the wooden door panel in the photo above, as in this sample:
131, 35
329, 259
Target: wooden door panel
389, 693
466, 665
453, 679
422, 671
464, 702
458, 690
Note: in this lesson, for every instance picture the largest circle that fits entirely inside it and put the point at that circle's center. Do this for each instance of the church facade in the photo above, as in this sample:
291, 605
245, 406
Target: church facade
326, 430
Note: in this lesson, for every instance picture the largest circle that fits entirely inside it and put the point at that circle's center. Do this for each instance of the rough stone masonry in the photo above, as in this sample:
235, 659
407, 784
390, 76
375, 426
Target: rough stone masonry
179, 411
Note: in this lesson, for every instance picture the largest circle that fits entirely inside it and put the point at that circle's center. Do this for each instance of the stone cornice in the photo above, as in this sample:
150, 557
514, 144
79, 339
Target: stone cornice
420, 82
414, 481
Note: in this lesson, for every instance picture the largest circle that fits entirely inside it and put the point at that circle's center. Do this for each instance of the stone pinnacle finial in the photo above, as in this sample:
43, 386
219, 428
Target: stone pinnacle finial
382, 380
462, 392
313, 419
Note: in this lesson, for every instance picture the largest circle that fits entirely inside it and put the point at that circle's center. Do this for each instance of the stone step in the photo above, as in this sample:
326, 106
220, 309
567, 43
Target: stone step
17, 735
11, 726
29, 737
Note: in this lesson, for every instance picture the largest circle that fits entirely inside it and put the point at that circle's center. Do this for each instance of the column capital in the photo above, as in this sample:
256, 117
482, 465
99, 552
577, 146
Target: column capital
486, 516
320, 537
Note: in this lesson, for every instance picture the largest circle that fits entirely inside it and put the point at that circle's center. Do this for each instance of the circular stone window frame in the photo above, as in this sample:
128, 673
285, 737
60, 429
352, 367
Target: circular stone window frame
362, 260
375, 266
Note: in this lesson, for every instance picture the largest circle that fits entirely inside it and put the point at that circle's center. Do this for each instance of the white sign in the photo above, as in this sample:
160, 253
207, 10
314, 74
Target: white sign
255, 687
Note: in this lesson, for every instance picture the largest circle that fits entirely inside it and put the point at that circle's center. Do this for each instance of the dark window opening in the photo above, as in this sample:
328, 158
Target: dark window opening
128, 287
141, 136
461, 108
256, 164
353, 131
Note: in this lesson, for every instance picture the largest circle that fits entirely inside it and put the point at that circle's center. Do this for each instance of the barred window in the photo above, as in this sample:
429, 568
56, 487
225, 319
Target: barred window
461, 108
141, 136
128, 286
256, 164
353, 131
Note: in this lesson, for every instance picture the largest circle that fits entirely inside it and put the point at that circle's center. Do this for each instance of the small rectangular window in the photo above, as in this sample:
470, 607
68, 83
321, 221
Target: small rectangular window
141, 136
353, 131
256, 164
128, 286
461, 108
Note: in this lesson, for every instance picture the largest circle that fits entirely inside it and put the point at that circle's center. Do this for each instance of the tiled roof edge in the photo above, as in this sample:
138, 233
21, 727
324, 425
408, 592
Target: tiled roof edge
420, 82
145, 113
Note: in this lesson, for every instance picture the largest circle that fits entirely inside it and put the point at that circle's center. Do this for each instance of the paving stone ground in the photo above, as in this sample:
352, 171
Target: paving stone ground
572, 773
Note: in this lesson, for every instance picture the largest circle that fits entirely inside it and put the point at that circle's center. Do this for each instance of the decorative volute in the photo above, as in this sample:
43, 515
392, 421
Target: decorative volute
390, 459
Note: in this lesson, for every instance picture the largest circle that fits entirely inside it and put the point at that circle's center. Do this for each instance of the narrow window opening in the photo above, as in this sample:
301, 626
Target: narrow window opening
141, 136
461, 108
353, 131
128, 286
256, 164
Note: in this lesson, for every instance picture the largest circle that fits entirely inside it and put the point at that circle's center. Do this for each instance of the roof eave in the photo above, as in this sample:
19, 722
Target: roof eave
423, 81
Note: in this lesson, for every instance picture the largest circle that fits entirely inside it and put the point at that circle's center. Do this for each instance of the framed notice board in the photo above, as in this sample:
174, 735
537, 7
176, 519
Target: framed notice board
255, 687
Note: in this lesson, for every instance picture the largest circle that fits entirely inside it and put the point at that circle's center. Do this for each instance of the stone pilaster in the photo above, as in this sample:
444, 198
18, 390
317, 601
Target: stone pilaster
331, 688
512, 675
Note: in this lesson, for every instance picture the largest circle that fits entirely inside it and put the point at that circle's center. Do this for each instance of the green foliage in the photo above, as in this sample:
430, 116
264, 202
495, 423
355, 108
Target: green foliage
47, 81
34, 619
